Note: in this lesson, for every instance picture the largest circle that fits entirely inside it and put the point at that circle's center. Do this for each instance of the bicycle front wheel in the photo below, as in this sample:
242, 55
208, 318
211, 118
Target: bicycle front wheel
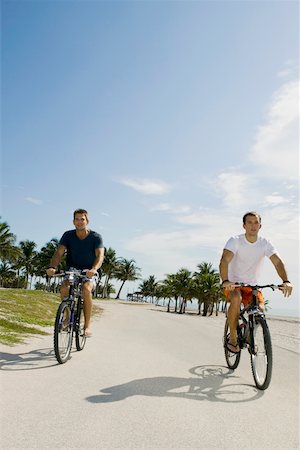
261, 354
232, 359
80, 338
63, 333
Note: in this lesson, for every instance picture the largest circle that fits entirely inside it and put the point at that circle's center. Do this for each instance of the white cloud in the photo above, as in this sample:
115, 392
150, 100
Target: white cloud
277, 141
290, 68
166, 207
275, 199
187, 246
233, 187
33, 200
104, 214
146, 186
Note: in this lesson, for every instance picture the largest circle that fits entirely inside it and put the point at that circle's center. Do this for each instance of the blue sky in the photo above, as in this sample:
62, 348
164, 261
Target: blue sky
166, 120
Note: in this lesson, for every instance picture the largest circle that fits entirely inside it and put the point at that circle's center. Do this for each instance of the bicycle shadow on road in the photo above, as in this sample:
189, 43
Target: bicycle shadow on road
36, 359
206, 384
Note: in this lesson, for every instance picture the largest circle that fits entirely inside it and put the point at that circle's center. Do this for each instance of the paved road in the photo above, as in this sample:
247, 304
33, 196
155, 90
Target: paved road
145, 380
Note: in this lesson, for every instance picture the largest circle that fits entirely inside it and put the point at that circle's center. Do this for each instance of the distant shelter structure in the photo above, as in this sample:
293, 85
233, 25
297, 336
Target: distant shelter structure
135, 297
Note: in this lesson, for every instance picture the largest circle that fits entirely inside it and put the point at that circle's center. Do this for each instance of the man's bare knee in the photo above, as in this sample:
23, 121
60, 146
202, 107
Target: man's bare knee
64, 289
87, 289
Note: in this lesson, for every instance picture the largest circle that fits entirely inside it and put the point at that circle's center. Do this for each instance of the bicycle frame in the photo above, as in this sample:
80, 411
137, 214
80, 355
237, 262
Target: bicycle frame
252, 333
63, 337
253, 311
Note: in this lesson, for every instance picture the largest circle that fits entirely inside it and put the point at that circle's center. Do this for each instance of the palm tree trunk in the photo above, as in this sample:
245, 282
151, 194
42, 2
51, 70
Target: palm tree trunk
199, 307
104, 292
118, 294
176, 299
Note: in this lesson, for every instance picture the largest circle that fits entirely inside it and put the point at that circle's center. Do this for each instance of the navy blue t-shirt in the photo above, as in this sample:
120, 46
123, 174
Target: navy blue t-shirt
81, 252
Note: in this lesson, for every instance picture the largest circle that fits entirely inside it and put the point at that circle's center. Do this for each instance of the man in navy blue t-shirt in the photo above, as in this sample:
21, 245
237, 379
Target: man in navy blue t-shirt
85, 251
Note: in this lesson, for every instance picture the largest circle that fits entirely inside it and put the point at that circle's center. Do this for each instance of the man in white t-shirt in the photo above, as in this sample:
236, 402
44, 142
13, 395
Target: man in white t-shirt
241, 262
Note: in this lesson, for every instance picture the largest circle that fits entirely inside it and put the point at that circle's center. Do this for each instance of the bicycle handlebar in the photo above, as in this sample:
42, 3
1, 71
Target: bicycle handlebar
71, 273
258, 286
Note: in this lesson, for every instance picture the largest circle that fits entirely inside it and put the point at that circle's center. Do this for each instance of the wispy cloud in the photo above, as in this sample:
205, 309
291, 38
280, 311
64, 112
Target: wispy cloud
275, 199
277, 141
33, 200
105, 214
146, 186
202, 236
166, 207
166, 251
290, 68
232, 187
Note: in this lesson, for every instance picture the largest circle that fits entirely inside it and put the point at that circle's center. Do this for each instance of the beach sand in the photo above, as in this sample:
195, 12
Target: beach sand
285, 332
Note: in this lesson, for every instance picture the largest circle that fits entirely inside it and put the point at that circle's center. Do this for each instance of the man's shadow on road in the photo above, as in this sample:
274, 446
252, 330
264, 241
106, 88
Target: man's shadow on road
212, 383
36, 359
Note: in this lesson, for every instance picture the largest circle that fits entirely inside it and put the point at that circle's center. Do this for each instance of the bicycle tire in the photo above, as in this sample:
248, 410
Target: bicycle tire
261, 354
80, 338
232, 359
63, 333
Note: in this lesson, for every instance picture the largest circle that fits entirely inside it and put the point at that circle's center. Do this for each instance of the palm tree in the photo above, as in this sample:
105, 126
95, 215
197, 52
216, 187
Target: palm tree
27, 258
109, 290
161, 292
6, 274
8, 250
46, 253
170, 289
109, 267
205, 267
183, 282
148, 287
207, 287
42, 261
126, 271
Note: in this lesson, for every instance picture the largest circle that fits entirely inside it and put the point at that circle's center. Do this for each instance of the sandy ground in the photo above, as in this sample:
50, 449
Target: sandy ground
149, 380
285, 331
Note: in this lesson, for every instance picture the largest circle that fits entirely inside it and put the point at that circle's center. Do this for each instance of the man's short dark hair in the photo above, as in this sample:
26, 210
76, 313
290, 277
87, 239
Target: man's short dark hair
251, 213
80, 211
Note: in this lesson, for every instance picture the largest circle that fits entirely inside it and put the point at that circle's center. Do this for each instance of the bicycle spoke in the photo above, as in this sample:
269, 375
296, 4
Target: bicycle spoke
232, 359
261, 354
63, 333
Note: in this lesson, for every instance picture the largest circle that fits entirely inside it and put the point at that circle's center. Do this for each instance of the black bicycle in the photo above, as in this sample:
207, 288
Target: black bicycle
69, 317
253, 333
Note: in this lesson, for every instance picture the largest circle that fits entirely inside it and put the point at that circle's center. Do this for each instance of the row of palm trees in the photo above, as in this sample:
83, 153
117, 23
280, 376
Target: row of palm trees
183, 286
21, 264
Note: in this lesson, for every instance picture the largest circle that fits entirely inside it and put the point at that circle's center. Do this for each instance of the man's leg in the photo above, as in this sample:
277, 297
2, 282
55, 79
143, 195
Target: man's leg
64, 290
87, 305
233, 317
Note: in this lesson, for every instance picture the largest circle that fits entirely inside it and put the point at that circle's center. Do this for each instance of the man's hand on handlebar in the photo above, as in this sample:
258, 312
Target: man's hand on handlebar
50, 271
229, 285
286, 288
91, 272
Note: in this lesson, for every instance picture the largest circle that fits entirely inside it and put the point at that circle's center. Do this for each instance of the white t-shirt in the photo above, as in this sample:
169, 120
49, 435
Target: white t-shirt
246, 265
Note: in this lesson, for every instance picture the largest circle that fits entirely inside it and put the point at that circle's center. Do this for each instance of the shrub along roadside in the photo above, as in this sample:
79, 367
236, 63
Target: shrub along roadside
24, 313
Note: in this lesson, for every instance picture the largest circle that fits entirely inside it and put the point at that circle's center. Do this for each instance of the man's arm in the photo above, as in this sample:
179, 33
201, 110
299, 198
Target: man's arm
224, 263
55, 260
99, 253
281, 270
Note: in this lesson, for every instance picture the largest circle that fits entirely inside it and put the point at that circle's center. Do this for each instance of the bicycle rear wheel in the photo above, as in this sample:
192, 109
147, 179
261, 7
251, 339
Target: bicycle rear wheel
261, 354
80, 338
63, 333
232, 359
